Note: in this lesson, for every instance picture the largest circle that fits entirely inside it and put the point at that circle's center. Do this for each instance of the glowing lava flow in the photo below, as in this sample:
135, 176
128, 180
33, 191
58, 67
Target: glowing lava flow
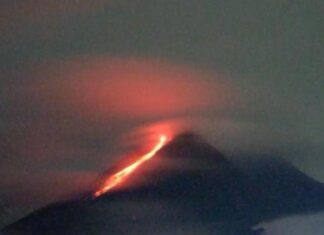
117, 178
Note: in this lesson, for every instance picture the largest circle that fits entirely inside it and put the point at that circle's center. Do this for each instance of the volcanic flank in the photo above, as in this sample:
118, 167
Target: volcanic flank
187, 187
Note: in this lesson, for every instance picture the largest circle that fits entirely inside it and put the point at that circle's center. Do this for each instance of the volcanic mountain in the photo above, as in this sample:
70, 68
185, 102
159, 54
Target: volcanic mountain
188, 187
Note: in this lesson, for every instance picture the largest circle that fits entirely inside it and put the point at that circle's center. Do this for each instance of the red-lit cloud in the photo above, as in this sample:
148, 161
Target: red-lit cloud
129, 89
60, 108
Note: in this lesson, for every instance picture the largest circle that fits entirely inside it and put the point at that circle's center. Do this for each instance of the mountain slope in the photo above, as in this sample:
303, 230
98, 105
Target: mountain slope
283, 189
189, 187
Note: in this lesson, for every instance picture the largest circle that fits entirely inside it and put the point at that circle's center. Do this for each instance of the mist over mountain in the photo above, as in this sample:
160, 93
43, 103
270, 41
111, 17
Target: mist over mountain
188, 187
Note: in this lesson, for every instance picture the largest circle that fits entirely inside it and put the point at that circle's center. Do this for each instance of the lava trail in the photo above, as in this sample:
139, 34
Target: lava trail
120, 176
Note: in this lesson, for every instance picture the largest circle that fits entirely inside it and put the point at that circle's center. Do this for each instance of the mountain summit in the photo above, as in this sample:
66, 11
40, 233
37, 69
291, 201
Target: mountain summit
187, 187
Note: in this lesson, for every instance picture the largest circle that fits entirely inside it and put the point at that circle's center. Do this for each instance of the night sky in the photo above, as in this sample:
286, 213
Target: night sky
85, 82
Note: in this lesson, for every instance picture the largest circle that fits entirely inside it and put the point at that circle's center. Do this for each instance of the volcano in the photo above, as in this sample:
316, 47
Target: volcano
188, 187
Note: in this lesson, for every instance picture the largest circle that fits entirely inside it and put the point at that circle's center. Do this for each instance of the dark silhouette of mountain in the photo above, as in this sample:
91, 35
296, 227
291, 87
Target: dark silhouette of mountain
190, 188
283, 189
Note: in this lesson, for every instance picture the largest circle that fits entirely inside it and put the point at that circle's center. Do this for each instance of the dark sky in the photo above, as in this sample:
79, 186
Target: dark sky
81, 81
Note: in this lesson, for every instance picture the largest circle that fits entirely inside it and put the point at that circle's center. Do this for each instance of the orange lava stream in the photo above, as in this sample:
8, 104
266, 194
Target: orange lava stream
117, 178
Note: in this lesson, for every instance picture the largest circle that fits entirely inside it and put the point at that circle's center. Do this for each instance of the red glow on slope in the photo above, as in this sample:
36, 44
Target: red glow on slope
120, 176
